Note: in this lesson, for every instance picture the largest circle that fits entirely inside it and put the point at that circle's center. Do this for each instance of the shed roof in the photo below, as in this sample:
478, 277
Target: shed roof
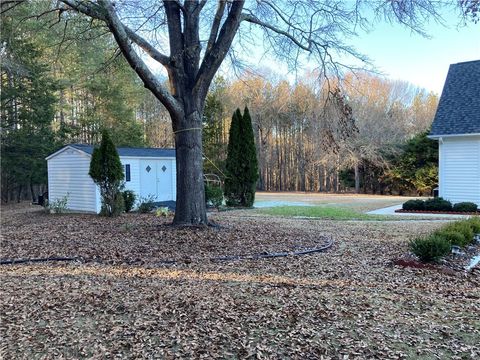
458, 111
124, 151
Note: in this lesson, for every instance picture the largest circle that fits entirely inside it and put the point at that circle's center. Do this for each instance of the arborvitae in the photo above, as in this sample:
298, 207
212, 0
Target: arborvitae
233, 179
106, 171
241, 165
249, 160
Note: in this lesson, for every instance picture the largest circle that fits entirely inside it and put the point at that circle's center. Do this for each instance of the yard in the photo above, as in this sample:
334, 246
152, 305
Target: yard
126, 298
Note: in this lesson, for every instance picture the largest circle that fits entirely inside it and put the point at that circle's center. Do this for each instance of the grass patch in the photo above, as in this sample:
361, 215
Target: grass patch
320, 212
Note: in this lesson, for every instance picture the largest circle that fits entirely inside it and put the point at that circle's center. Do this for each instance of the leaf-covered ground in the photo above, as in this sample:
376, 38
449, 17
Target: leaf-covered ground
348, 302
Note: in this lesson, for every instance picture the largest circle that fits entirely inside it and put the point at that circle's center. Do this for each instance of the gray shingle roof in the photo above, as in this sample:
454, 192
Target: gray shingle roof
127, 151
459, 107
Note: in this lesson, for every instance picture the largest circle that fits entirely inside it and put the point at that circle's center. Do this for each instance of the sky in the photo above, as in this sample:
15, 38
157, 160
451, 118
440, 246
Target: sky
424, 62
397, 52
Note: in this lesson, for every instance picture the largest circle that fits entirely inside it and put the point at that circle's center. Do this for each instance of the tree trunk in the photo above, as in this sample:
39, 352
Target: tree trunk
357, 179
190, 206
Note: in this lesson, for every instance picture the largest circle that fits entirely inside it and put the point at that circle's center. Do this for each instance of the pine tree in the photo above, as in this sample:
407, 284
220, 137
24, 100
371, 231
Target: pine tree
242, 164
107, 172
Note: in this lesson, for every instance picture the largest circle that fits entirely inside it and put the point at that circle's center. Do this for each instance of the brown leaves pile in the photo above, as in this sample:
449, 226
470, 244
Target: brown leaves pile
348, 302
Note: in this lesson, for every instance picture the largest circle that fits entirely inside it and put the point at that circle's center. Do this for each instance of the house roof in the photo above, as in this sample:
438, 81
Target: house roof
123, 151
458, 111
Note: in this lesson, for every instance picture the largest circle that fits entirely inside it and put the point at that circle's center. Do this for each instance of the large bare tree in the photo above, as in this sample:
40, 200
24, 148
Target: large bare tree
199, 36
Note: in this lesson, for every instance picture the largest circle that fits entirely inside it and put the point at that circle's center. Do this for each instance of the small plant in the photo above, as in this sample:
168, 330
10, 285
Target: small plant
431, 248
129, 198
115, 208
438, 204
162, 212
462, 227
146, 204
58, 206
213, 195
414, 205
454, 237
465, 207
474, 223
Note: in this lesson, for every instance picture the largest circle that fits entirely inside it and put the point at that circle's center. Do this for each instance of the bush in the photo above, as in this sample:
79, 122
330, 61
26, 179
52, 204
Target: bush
462, 227
147, 204
58, 206
115, 208
438, 204
474, 223
213, 195
431, 248
106, 170
465, 207
129, 198
454, 237
414, 205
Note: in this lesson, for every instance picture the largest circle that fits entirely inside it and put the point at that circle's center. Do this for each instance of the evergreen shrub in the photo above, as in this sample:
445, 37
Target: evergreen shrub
107, 172
474, 223
129, 198
462, 227
431, 248
465, 207
438, 204
455, 237
213, 195
416, 204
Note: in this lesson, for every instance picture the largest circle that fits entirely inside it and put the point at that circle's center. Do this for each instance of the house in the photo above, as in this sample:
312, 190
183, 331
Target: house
147, 172
456, 126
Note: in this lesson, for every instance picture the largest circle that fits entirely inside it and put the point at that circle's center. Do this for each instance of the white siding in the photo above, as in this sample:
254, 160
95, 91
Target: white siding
134, 183
68, 176
174, 180
459, 174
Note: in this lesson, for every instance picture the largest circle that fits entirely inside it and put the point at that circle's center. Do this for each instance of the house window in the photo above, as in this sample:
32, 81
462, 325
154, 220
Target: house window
127, 172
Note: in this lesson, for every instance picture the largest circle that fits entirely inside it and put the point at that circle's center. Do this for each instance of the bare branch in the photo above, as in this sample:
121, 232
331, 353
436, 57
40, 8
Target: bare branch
216, 24
149, 80
96, 13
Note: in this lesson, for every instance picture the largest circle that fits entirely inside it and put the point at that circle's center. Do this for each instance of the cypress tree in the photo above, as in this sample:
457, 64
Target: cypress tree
249, 160
232, 182
242, 164
106, 171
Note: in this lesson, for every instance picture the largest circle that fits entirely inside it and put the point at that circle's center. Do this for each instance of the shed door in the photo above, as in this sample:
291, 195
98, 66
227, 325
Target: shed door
156, 179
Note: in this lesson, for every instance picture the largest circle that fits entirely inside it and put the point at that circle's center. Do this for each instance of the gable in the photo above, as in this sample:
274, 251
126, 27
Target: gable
458, 111
122, 151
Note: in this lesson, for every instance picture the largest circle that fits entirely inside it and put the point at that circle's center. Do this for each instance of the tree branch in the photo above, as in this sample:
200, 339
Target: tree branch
149, 80
254, 20
214, 57
216, 24
96, 13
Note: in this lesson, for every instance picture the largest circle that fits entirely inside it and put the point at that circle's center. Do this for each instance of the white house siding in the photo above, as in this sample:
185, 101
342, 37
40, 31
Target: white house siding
68, 176
134, 183
459, 173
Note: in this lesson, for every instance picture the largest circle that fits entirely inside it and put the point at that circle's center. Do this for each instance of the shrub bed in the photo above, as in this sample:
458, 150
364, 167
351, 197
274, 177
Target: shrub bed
439, 244
431, 248
438, 205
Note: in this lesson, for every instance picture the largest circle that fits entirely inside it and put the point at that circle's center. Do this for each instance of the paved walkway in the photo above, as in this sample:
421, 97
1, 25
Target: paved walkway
391, 211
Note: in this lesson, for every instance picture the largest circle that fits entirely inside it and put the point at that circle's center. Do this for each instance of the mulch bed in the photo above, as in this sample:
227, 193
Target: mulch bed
437, 212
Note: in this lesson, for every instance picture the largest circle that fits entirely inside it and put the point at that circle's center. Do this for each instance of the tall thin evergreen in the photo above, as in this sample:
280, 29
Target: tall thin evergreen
249, 160
242, 164
107, 172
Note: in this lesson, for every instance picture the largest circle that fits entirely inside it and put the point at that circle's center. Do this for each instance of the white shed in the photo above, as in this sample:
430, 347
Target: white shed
148, 172
457, 128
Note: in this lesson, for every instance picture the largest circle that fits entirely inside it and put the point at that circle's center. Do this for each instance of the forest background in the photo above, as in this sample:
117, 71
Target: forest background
63, 82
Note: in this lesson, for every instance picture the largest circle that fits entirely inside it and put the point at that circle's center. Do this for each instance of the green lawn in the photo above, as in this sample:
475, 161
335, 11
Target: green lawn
321, 212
